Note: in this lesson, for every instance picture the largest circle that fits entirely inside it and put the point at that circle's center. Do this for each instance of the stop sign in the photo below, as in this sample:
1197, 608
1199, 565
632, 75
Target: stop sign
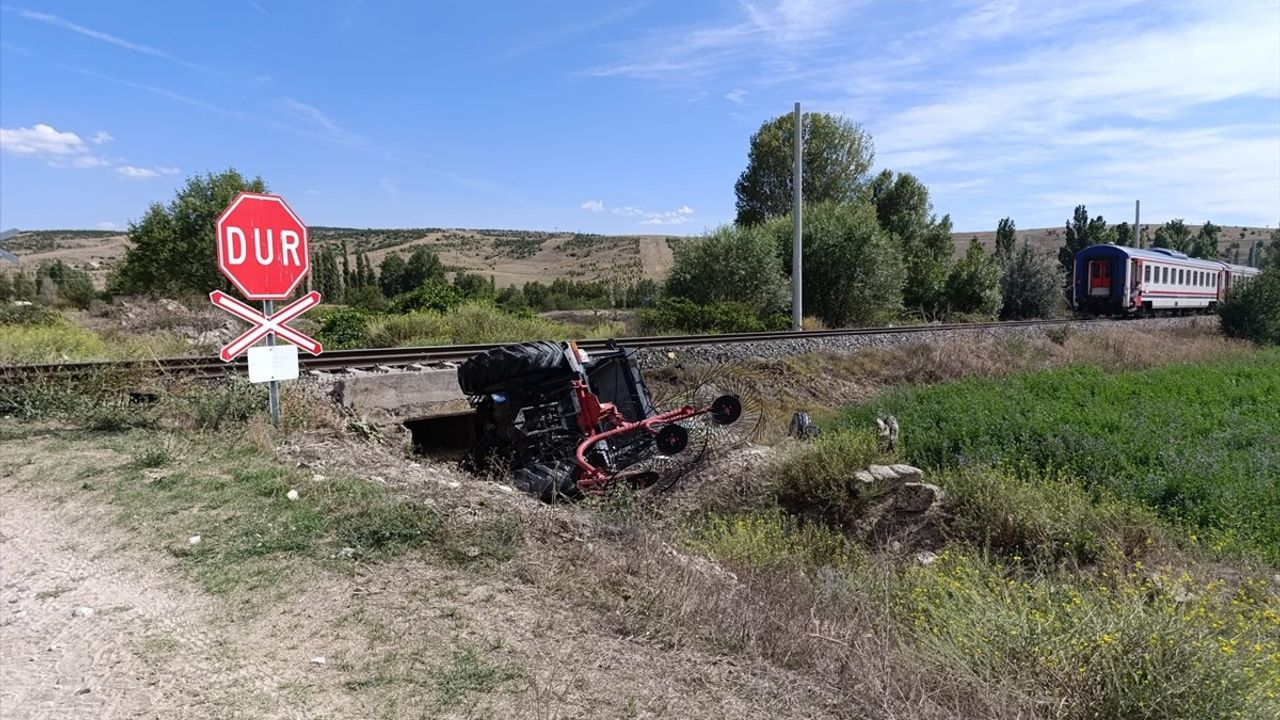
262, 246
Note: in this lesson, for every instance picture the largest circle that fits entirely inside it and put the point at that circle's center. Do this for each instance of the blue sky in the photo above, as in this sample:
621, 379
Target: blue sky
634, 117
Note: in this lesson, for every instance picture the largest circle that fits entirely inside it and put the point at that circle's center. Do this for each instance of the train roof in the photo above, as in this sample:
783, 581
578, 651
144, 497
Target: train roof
1156, 254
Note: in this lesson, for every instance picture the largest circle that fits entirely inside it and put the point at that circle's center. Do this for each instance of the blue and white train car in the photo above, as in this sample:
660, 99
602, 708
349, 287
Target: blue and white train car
1115, 280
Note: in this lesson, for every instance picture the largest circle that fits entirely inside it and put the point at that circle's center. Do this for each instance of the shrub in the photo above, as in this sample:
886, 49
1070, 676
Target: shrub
12, 314
1147, 646
1030, 287
817, 477
431, 296
683, 315
732, 264
1025, 514
1253, 311
973, 285
772, 540
343, 329
45, 343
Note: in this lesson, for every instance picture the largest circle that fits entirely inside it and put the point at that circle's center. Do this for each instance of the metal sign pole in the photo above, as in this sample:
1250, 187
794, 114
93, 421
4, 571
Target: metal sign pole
797, 235
273, 388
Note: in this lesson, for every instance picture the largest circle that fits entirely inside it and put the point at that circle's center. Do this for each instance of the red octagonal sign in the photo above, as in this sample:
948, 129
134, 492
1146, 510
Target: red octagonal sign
262, 246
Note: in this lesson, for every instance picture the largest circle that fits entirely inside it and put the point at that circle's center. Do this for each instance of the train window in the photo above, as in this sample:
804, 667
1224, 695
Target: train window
1182, 276
1165, 273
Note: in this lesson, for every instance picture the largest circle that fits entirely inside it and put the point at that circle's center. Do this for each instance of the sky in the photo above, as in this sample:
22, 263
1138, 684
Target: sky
635, 117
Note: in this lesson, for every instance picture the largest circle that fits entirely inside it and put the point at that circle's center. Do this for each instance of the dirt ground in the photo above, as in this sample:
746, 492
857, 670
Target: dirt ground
96, 622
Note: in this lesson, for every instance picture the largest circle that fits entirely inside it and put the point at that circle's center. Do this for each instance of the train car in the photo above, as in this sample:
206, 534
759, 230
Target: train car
1117, 280
1233, 275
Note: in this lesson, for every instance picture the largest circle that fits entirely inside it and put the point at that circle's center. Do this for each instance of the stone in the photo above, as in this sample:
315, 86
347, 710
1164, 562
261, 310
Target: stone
292, 495
82, 611
346, 553
193, 540
318, 660
926, 557
864, 477
918, 497
907, 473
882, 473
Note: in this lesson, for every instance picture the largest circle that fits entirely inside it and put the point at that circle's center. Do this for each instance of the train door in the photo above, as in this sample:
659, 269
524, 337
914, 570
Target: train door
1099, 277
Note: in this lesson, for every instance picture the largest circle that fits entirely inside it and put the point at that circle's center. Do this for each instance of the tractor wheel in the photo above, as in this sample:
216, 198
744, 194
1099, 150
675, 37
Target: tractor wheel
548, 483
493, 370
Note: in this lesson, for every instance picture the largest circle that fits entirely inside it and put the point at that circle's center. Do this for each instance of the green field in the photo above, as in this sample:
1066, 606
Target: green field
1199, 444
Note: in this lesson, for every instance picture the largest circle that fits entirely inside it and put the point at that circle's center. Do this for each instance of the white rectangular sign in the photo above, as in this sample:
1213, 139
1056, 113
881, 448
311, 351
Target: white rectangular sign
275, 362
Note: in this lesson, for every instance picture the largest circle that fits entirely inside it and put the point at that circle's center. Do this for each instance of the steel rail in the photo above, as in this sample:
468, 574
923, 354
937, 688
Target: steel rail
372, 358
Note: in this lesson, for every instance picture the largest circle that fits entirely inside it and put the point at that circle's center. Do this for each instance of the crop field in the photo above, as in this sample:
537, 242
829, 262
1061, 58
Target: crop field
1199, 443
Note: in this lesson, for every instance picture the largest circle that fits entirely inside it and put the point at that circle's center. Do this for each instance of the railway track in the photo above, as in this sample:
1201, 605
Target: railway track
373, 359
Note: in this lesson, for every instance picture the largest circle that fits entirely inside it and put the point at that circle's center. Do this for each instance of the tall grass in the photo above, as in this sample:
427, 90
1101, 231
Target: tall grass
471, 323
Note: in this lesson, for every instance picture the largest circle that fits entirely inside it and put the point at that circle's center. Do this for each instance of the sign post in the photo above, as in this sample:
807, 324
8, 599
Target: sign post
262, 250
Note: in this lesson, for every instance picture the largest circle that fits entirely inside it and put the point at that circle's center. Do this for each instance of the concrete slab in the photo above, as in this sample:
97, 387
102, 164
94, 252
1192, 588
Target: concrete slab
401, 394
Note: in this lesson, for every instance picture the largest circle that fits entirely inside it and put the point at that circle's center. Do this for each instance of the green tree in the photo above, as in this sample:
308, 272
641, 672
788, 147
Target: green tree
471, 286
1123, 235
1205, 243
6, 288
1252, 309
172, 248
1268, 255
68, 284
973, 285
853, 269
423, 267
535, 293
391, 274
903, 209
1174, 235
837, 152
1076, 239
348, 280
1030, 287
325, 276
1006, 238
733, 263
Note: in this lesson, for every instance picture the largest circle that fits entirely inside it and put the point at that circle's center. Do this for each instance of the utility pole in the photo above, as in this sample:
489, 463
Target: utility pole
797, 256
1137, 228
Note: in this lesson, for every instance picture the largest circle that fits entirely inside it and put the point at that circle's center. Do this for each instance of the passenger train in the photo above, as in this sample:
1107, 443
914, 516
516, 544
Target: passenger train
1117, 280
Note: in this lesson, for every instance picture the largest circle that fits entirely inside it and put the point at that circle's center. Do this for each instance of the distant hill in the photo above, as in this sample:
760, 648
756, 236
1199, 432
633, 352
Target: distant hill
512, 257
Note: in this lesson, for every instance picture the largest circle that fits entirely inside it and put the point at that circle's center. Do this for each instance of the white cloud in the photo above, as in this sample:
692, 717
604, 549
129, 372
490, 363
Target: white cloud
101, 137
89, 161
106, 225
143, 173
41, 139
737, 96
321, 126
679, 216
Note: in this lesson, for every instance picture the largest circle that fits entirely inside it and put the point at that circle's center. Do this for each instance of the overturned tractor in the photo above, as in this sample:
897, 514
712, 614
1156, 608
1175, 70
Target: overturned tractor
563, 423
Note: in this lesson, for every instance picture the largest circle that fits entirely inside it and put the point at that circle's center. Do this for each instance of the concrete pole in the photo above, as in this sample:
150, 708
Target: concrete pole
1137, 227
797, 256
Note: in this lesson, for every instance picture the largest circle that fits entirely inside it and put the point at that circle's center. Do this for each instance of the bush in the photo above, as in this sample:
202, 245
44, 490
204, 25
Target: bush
432, 296
680, 315
343, 329
1148, 646
973, 285
1030, 287
1027, 515
47, 343
30, 315
1253, 311
771, 540
817, 477
732, 264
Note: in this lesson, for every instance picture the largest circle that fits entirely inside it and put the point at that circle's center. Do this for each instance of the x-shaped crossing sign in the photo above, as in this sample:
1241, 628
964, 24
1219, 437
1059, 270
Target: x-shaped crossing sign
264, 324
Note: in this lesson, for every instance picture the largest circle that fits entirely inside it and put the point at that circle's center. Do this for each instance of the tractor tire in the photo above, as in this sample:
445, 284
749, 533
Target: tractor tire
499, 368
548, 483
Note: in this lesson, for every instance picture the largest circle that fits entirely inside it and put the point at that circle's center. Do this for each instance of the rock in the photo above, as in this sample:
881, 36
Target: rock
318, 478
83, 691
882, 473
918, 497
907, 473
346, 553
82, 612
864, 477
926, 557
292, 494
193, 540
318, 660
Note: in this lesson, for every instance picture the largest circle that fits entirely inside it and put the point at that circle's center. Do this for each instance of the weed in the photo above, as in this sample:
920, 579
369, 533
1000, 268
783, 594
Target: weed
818, 477
471, 673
